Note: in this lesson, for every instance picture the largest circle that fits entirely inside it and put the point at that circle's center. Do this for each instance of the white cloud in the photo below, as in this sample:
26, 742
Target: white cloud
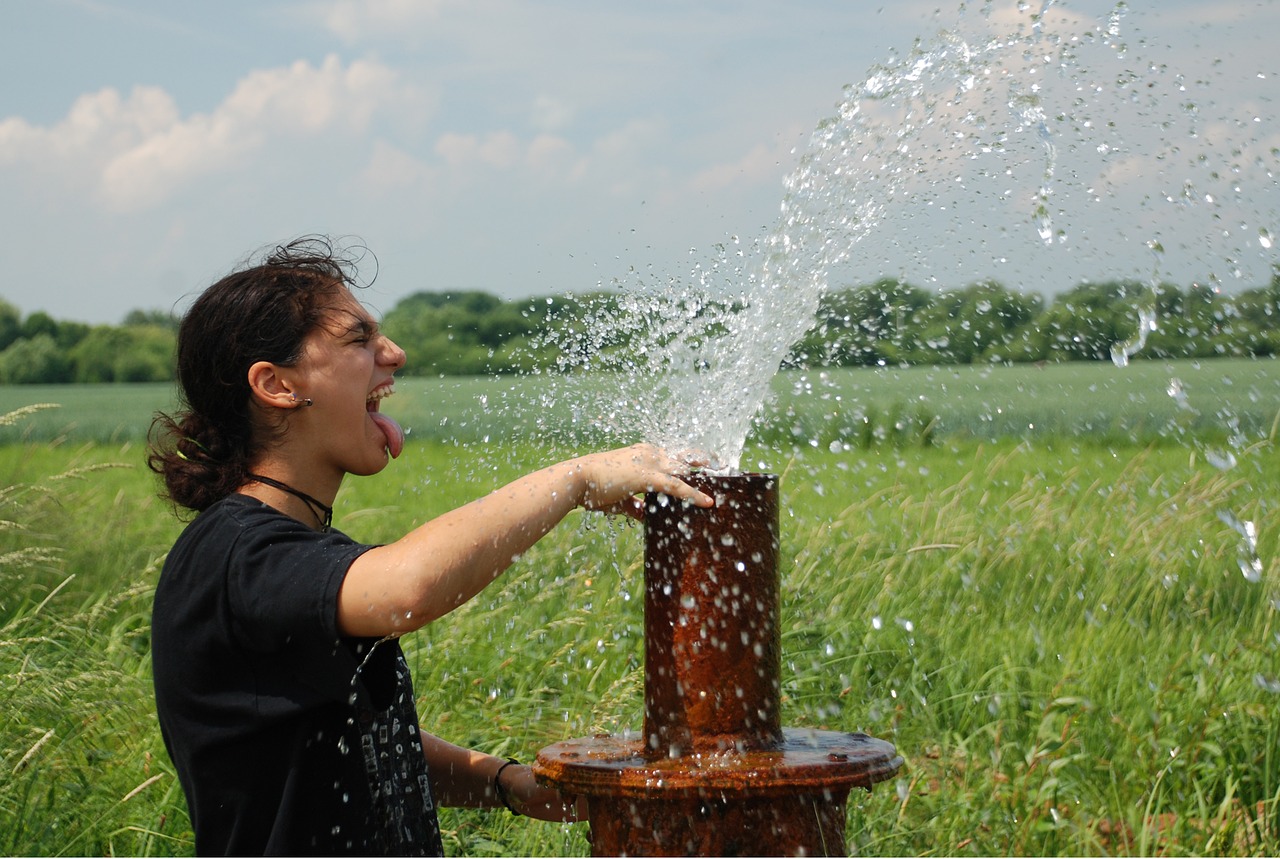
469, 157
298, 101
551, 154
361, 20
136, 152
390, 168
758, 165
97, 125
550, 113
500, 150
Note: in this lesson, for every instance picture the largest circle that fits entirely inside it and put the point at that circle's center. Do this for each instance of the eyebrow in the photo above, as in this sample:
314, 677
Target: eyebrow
361, 325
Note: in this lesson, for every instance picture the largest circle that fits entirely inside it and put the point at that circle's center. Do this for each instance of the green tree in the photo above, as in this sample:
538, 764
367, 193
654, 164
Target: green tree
39, 323
93, 358
71, 333
135, 353
1087, 322
1254, 326
446, 333
10, 324
471, 333
148, 356
979, 322
34, 360
157, 318
866, 325
65, 334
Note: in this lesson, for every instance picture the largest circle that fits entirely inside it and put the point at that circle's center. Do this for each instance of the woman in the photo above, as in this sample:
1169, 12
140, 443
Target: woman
283, 696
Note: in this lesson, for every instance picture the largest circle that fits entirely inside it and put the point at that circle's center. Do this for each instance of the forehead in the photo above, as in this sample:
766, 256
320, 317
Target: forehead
344, 313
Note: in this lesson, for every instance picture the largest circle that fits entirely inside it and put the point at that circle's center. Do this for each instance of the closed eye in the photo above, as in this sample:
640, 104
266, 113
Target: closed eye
363, 331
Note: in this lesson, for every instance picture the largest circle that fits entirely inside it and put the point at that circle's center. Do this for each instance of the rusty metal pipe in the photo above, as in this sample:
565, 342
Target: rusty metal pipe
714, 773
713, 651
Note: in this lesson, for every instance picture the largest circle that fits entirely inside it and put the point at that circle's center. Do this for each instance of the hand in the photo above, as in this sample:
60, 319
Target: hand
541, 803
610, 481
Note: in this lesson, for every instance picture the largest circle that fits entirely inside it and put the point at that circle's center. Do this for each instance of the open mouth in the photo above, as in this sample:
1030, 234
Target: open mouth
390, 429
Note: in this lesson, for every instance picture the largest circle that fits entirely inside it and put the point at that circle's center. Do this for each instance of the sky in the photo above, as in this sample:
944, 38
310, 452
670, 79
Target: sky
530, 148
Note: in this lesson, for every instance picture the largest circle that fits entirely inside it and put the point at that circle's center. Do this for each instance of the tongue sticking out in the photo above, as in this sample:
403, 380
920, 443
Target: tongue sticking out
393, 432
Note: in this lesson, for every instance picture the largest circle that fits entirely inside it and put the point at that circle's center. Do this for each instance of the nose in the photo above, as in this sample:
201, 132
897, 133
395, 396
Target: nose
390, 354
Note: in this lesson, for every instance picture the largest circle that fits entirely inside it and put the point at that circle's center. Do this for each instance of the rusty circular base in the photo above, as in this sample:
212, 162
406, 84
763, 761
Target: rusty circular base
805, 760
786, 800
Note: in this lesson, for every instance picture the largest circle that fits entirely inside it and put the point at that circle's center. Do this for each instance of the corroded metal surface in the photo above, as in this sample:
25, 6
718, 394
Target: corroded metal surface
712, 645
803, 760
713, 773
792, 825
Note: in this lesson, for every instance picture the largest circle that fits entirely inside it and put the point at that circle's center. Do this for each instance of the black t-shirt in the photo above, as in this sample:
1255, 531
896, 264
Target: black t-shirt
288, 738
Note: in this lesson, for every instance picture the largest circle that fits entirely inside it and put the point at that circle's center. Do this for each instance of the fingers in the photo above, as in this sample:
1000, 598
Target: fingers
644, 468
677, 488
545, 803
692, 458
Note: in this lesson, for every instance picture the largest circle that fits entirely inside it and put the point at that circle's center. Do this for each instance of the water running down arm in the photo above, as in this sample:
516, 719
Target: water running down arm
443, 563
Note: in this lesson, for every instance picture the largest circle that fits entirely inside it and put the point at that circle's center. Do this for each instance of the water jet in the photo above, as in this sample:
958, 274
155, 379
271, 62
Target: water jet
713, 772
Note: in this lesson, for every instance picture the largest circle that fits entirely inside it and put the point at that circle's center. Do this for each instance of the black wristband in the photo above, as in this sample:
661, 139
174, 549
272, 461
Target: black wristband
499, 790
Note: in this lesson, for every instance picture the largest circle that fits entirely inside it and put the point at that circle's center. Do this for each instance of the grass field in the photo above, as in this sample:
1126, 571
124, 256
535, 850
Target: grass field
1053, 625
1145, 401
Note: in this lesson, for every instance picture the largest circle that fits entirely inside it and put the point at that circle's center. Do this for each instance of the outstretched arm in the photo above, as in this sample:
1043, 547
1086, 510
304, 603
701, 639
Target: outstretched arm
440, 565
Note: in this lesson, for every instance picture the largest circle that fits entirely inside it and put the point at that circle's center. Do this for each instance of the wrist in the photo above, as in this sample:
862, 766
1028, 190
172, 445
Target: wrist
499, 790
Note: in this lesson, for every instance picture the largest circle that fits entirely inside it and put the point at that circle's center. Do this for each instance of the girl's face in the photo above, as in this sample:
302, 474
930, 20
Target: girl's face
346, 370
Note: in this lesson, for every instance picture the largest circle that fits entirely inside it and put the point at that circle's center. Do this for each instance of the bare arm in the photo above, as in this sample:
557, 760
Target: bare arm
440, 565
461, 777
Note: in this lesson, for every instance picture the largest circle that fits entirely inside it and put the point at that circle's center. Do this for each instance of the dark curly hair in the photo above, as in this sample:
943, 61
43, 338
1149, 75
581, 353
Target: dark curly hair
262, 312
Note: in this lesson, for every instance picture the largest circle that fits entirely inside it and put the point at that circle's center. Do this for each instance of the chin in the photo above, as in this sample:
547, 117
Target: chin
370, 467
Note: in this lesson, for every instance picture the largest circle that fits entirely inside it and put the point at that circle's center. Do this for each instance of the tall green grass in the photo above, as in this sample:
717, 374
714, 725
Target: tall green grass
82, 770
1054, 632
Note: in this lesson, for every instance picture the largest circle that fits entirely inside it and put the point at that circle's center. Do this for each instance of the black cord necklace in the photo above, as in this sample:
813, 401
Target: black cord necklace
323, 512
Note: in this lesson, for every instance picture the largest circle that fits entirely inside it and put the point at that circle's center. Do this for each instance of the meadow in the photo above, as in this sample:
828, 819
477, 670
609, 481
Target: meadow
1054, 589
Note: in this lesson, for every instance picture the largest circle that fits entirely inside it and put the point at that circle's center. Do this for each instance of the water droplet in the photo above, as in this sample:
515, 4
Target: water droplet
1251, 568
1222, 460
903, 789
1267, 684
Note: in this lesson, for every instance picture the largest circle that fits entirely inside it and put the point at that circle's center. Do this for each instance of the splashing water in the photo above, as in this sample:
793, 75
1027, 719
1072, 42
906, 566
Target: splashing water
1249, 562
945, 140
1122, 352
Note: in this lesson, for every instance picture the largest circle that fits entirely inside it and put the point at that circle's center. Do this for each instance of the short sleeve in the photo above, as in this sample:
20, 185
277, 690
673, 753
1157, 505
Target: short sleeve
283, 582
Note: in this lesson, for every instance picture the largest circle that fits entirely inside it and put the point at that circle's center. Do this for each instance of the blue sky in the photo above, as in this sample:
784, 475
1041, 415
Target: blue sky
527, 148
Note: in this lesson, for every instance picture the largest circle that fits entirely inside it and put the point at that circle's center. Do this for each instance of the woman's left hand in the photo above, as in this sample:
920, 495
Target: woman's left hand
531, 799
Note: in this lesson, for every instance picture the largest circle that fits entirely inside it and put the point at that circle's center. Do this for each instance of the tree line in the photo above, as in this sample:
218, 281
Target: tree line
888, 322
42, 350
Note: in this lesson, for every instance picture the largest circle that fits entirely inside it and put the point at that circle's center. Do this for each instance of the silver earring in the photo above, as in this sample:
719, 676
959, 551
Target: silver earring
306, 401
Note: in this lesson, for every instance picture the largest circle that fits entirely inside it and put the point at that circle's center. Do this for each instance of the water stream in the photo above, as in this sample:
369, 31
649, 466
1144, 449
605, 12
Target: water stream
996, 138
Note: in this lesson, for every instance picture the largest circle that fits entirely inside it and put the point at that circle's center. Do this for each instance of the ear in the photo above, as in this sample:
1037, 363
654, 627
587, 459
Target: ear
269, 387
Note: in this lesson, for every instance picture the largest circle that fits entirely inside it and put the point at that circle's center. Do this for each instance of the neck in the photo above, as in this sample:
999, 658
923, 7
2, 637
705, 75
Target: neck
289, 497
